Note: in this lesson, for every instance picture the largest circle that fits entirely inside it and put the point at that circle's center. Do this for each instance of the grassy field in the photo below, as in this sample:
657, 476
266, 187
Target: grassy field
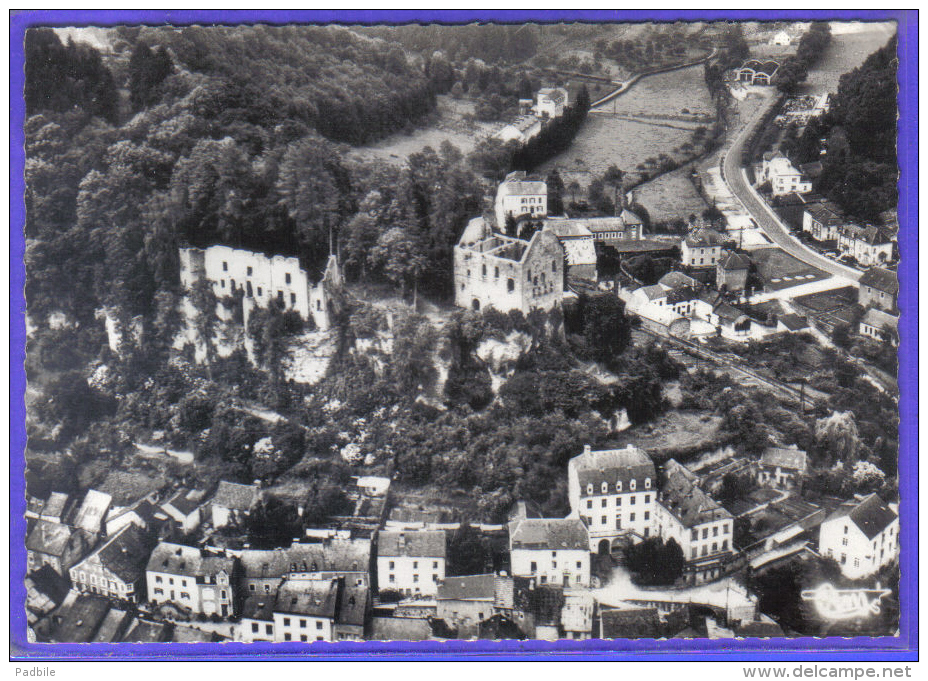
453, 122
779, 270
851, 44
671, 196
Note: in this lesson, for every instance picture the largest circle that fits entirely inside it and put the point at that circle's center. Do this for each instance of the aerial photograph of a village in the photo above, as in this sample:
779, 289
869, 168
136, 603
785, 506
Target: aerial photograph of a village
485, 331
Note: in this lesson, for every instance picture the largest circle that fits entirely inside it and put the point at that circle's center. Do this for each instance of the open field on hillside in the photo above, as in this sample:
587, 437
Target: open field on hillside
671, 196
851, 44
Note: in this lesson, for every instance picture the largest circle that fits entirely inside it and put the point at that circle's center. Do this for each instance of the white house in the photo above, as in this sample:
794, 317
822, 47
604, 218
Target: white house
862, 536
305, 611
117, 568
521, 130
781, 38
553, 550
701, 248
261, 278
550, 102
869, 246
782, 467
190, 578
411, 562
783, 177
821, 222
613, 492
232, 502
702, 528
184, 508
875, 324
518, 196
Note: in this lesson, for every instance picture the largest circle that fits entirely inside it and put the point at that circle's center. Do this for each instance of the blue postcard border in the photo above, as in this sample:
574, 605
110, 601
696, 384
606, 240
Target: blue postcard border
901, 648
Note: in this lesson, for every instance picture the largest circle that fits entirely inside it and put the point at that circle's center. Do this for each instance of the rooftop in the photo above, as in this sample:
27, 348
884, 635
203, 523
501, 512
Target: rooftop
793, 322
125, 554
235, 496
49, 538
871, 515
185, 501
422, 543
682, 497
259, 607
612, 466
80, 621
704, 237
316, 598
548, 533
785, 457
735, 261
881, 279
631, 623
352, 605
878, 319
186, 560
471, 587
93, 511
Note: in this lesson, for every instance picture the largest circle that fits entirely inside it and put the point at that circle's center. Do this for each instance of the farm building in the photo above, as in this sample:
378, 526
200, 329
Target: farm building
732, 272
878, 287
755, 72
521, 130
880, 325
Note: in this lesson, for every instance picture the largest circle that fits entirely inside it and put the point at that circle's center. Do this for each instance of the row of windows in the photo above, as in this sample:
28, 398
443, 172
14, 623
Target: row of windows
303, 638
415, 565
268, 628
248, 270
604, 520
302, 622
715, 548
632, 486
694, 534
532, 200
415, 578
618, 501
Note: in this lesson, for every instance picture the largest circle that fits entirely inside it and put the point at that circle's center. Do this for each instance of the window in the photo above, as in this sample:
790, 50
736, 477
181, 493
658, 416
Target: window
724, 544
415, 565
434, 564
647, 483
222, 283
631, 517
705, 550
510, 285
694, 554
496, 272
618, 486
554, 563
705, 533
319, 638
604, 487
303, 638
618, 501
183, 582
260, 292
391, 565
170, 580
159, 592
280, 297
647, 498
286, 621
845, 529
254, 627
392, 579
631, 485
483, 269
302, 624
287, 637
225, 266
589, 503
589, 488
534, 567
715, 547
843, 558
544, 579
318, 624
287, 277
725, 529
158, 579
715, 531
269, 629
249, 271
604, 520
618, 522
605, 502
415, 578
844, 541
579, 565
647, 515
631, 500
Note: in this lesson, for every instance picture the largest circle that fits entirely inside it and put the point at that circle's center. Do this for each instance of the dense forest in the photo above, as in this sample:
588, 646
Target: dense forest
859, 166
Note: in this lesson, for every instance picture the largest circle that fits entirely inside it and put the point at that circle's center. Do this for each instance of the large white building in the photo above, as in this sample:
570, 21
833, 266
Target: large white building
702, 528
862, 536
411, 562
613, 492
551, 550
262, 278
521, 130
506, 273
518, 196
550, 102
783, 177
701, 248
190, 578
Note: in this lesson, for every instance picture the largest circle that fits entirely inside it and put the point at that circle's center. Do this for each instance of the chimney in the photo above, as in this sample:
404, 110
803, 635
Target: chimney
587, 449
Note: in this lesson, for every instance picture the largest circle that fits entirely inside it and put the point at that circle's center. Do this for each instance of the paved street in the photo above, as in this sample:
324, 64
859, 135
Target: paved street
766, 219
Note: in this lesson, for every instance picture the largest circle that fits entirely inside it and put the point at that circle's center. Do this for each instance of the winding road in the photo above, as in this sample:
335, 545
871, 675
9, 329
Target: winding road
736, 179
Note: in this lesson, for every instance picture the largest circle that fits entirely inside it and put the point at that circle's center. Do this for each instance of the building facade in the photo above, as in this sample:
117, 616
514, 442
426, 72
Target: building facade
192, 579
613, 492
518, 196
554, 551
506, 273
262, 278
701, 248
878, 287
862, 536
869, 246
782, 468
783, 177
550, 102
116, 569
411, 562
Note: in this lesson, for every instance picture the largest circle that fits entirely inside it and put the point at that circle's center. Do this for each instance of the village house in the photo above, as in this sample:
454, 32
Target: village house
613, 492
783, 177
54, 509
184, 509
45, 591
92, 512
755, 72
577, 615
822, 221
791, 323
550, 102
57, 546
143, 514
463, 602
699, 525
625, 227
233, 502
506, 273
878, 287
630, 622
731, 272
306, 611
262, 278
352, 611
701, 248
880, 326
192, 579
579, 248
862, 536
781, 38
782, 467
78, 620
553, 550
519, 196
411, 562
780, 528
521, 130
262, 571
117, 568
869, 246
257, 622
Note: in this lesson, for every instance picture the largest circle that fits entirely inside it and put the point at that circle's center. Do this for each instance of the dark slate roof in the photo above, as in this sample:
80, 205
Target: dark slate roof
184, 634
785, 457
236, 497
315, 598
471, 587
400, 629
637, 623
48, 582
824, 214
682, 497
871, 515
420, 544
55, 505
653, 292
879, 318
336, 555
185, 560
676, 279
793, 322
548, 533
735, 261
881, 279
259, 607
186, 501
80, 622
126, 554
704, 237
112, 627
612, 466
351, 607
143, 631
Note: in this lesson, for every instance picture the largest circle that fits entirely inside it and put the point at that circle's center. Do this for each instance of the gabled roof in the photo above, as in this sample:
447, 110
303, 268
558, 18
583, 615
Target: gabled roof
335, 555
871, 235
548, 533
351, 606
421, 543
881, 279
515, 186
186, 560
144, 631
185, 501
235, 496
704, 238
48, 538
125, 554
471, 587
673, 280
259, 607
49, 583
81, 620
314, 598
685, 501
653, 292
871, 515
630, 218
769, 67
55, 505
93, 511
878, 319
112, 627
635, 623
785, 457
612, 466
735, 261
